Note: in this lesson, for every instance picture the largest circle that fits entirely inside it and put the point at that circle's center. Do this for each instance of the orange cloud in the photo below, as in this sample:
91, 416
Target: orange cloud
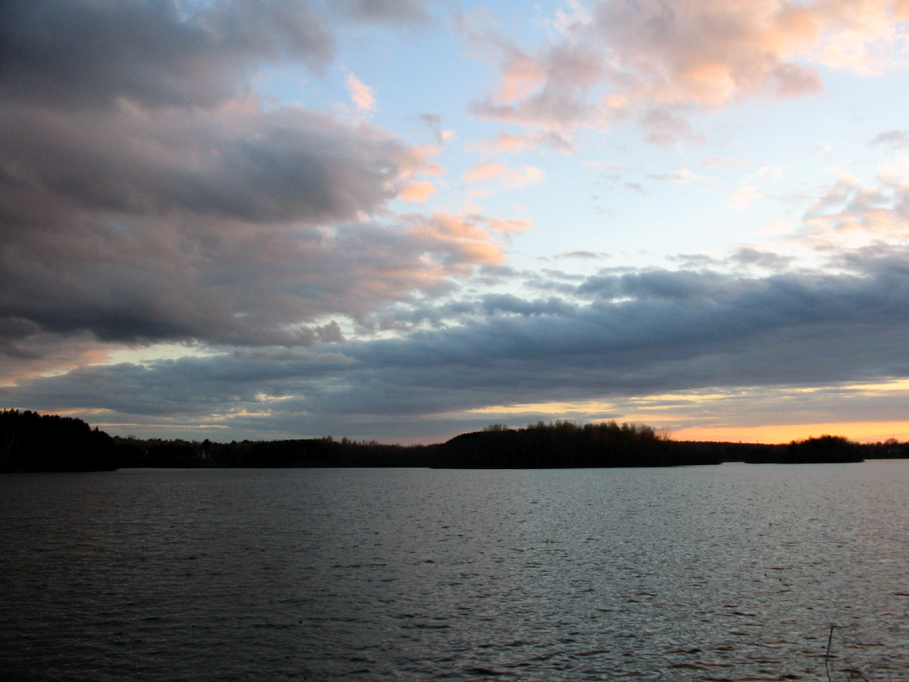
462, 239
509, 226
452, 226
417, 192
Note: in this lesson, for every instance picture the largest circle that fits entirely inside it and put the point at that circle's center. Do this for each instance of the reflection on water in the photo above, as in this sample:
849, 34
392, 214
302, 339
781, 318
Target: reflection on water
707, 573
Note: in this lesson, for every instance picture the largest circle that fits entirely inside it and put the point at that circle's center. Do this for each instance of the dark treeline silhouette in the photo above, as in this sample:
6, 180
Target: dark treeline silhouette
566, 445
320, 452
830, 449
308, 452
889, 449
31, 442
554, 445
155, 452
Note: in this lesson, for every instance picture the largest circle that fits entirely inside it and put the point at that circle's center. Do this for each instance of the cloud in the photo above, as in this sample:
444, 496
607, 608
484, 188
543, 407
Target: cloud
851, 214
150, 195
434, 123
509, 177
509, 225
385, 11
646, 332
418, 191
775, 172
759, 258
619, 335
723, 160
548, 89
360, 94
147, 194
683, 176
661, 61
167, 53
743, 196
243, 285
284, 164
665, 127
894, 173
894, 139
658, 330
509, 304
516, 144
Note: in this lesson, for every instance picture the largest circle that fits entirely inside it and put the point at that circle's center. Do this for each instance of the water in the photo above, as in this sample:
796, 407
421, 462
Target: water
706, 573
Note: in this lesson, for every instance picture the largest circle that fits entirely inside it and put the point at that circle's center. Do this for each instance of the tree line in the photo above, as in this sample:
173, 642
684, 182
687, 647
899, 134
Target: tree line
33, 442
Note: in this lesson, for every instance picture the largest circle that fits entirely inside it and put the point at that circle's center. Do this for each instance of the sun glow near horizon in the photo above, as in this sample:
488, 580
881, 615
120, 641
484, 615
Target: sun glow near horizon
862, 432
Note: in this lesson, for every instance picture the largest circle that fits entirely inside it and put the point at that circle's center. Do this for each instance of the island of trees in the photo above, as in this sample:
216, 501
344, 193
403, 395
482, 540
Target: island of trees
30, 442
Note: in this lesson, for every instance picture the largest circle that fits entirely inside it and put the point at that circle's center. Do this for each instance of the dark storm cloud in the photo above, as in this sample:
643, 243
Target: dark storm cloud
156, 52
268, 167
218, 281
385, 11
171, 229
189, 386
507, 303
664, 331
146, 195
763, 259
639, 333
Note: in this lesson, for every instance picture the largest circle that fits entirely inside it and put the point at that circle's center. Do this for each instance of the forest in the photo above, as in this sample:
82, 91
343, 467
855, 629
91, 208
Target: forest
33, 442
30, 442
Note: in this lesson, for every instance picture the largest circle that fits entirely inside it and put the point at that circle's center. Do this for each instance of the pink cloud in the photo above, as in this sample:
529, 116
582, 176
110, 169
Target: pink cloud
360, 94
509, 226
850, 214
516, 144
509, 177
660, 61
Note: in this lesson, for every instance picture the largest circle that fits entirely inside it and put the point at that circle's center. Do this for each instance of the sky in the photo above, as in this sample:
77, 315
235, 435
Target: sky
402, 220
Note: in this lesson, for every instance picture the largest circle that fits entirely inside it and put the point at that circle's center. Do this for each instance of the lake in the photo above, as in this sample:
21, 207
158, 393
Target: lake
732, 572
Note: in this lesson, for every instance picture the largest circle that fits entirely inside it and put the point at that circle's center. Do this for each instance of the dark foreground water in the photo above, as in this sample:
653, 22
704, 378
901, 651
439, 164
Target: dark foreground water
707, 573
